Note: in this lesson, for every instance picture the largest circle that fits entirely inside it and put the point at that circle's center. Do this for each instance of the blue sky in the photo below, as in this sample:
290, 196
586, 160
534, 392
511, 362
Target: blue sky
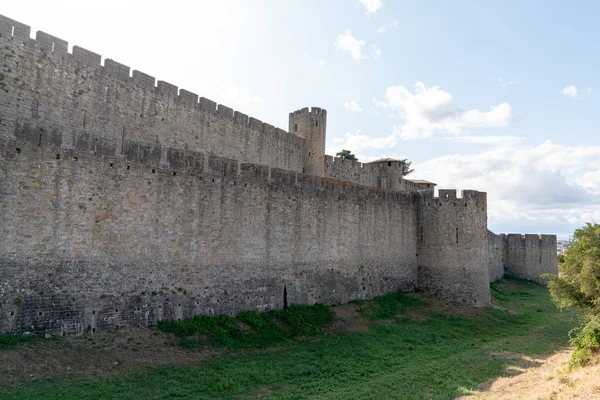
487, 95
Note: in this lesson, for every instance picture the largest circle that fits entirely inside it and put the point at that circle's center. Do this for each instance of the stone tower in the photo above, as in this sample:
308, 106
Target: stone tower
389, 173
311, 124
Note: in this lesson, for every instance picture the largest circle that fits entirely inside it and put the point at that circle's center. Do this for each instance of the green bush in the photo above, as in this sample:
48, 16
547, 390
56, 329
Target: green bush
586, 341
578, 286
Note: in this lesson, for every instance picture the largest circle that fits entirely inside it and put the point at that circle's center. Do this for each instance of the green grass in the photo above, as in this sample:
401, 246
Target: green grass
8, 341
251, 329
437, 358
387, 306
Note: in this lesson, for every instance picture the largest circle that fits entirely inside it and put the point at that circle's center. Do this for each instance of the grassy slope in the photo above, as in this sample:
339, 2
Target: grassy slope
440, 357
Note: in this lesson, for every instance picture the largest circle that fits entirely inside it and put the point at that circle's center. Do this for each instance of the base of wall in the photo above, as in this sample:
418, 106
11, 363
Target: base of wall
62, 314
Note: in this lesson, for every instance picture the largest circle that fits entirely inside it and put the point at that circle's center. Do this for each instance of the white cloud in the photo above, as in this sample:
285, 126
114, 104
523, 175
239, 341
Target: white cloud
574, 93
348, 43
371, 5
570, 91
352, 106
321, 62
544, 185
507, 83
355, 47
387, 27
487, 140
362, 144
428, 111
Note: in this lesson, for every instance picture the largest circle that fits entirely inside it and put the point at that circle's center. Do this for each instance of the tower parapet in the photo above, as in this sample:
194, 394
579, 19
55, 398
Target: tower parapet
311, 125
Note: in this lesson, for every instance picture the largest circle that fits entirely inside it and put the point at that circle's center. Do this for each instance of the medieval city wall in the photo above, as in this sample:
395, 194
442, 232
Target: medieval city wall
125, 201
94, 243
529, 256
522, 256
351, 171
43, 85
496, 256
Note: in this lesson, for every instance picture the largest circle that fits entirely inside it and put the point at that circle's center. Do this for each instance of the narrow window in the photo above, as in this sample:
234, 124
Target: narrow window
295, 127
457, 235
285, 303
317, 124
389, 163
12, 32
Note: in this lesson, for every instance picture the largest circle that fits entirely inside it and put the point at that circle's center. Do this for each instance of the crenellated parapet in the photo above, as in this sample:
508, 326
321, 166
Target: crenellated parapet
351, 171
76, 91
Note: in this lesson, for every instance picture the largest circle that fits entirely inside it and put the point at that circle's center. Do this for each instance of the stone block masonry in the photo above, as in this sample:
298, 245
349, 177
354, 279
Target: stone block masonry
94, 244
127, 201
522, 256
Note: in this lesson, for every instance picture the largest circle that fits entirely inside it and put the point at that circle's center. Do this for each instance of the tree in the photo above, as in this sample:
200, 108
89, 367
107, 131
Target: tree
406, 168
578, 286
347, 155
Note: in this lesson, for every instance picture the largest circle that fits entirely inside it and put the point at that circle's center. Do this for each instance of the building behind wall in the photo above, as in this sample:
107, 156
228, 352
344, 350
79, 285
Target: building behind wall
126, 201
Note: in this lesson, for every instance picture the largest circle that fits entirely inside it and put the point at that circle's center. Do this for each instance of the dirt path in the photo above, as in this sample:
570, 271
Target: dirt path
546, 379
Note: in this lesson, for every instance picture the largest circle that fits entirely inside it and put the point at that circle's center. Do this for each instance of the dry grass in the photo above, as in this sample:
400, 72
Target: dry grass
542, 379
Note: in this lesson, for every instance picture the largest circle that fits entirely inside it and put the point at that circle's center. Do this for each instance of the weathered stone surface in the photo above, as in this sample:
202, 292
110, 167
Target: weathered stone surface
122, 203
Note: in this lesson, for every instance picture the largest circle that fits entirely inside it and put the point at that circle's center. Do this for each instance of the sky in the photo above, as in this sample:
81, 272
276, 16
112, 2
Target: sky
494, 96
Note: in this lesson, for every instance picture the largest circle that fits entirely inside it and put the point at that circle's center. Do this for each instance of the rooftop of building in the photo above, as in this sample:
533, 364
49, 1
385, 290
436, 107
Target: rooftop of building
384, 160
420, 181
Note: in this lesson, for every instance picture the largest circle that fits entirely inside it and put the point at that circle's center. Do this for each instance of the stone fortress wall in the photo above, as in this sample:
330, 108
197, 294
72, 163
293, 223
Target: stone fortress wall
522, 256
125, 202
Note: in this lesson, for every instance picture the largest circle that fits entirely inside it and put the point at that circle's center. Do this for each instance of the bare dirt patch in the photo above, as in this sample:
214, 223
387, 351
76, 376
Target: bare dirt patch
98, 356
437, 306
348, 321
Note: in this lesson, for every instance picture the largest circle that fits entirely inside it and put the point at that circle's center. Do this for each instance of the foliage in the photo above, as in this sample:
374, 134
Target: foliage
347, 155
415, 356
406, 167
578, 286
586, 341
250, 329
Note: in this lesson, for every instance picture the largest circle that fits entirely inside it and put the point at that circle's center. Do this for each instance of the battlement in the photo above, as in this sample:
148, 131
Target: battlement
449, 197
530, 240
312, 111
52, 46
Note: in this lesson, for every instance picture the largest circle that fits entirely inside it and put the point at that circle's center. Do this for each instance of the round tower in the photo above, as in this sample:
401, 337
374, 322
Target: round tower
311, 125
389, 173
